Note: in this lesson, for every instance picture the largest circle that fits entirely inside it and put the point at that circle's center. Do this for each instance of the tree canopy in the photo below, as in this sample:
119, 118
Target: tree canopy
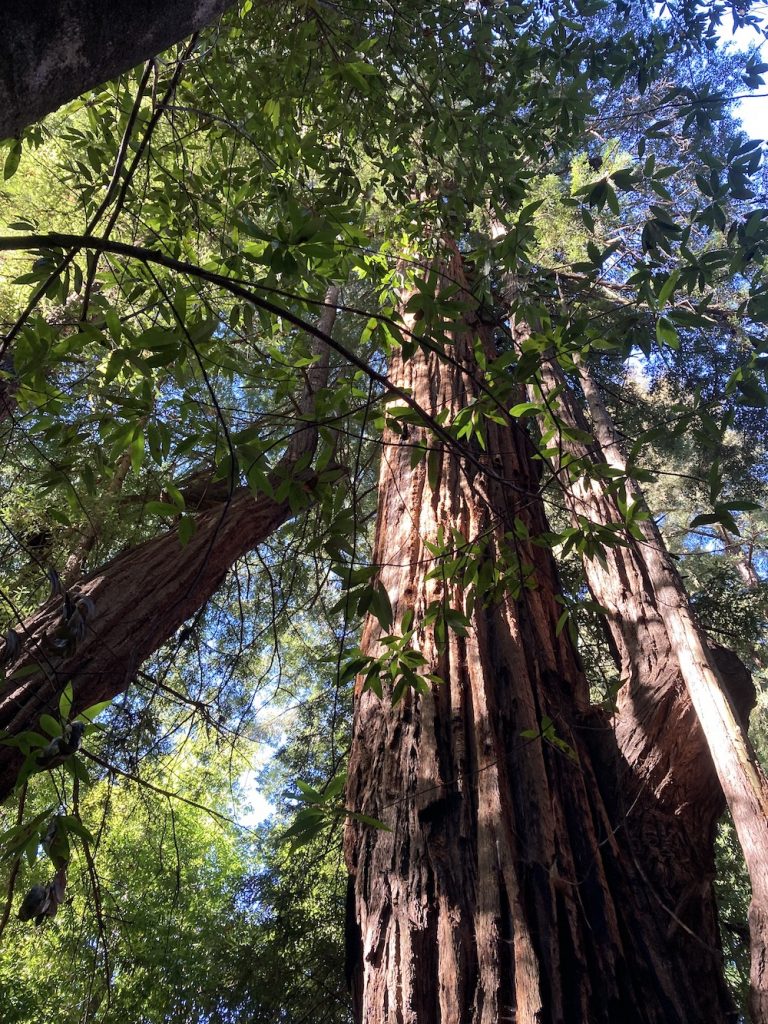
209, 266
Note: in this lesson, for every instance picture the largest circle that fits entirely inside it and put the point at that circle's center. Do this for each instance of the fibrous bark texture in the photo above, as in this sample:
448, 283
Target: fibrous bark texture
636, 582
684, 703
515, 883
54, 50
139, 601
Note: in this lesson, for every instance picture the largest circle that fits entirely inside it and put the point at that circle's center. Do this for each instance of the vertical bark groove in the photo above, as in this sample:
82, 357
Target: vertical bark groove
509, 873
682, 713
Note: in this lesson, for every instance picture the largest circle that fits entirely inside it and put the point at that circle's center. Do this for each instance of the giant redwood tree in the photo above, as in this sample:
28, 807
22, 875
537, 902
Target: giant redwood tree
177, 392
510, 882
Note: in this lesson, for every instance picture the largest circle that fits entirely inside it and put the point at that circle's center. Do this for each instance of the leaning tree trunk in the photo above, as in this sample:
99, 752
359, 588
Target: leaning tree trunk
513, 884
685, 698
52, 51
136, 602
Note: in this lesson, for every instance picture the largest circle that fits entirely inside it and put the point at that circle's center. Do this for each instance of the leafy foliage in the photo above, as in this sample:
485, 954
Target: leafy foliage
172, 236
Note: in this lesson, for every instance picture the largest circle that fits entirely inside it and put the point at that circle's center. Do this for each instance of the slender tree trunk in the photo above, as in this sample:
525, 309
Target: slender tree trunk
742, 558
515, 883
685, 698
143, 596
51, 51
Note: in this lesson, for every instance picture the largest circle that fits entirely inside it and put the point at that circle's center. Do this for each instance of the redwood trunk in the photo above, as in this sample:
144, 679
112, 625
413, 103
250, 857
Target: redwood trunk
143, 596
684, 696
514, 883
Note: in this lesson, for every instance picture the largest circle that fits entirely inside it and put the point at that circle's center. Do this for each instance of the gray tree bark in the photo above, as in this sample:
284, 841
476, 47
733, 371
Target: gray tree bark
54, 50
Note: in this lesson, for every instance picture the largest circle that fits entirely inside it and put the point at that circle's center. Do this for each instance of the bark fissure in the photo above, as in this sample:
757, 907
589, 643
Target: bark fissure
682, 712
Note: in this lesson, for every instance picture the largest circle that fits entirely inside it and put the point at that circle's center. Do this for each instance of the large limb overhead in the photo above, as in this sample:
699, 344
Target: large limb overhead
54, 50
136, 602
139, 601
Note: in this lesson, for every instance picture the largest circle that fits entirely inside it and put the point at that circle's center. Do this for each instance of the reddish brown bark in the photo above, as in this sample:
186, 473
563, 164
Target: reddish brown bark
515, 883
52, 51
681, 719
142, 597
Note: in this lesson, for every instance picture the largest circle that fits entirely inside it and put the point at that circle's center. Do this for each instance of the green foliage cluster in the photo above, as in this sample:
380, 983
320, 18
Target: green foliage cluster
173, 235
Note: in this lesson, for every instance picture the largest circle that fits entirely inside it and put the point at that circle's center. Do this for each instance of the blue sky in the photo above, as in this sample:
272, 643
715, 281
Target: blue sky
754, 110
754, 115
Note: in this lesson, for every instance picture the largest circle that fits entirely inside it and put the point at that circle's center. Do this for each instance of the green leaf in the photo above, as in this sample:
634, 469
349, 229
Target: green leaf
12, 161
93, 711
115, 364
307, 824
175, 495
524, 409
365, 819
336, 786
666, 333
740, 505
74, 825
668, 287
309, 794
161, 508
457, 621
77, 770
65, 702
381, 607
434, 464
137, 452
186, 529
25, 740
50, 725
720, 515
